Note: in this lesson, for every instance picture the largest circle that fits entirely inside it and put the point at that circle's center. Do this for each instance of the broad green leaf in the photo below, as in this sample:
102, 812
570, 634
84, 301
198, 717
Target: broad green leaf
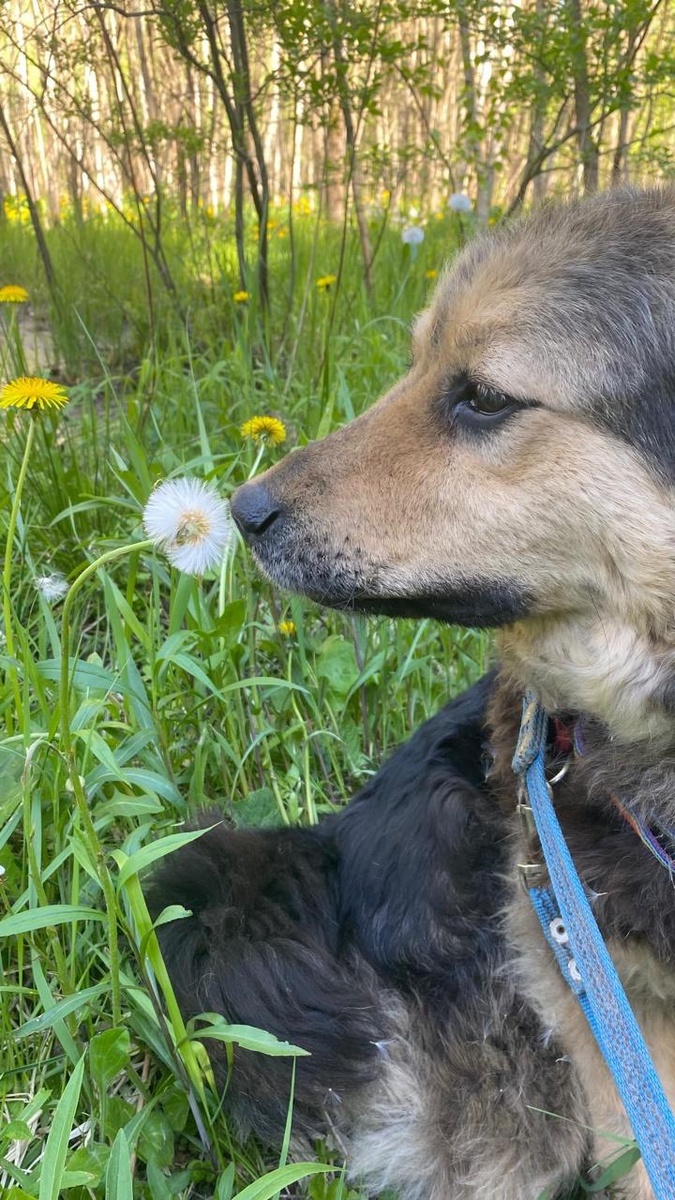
85, 677
121, 804
158, 1182
43, 918
56, 1148
61, 1030
108, 1054
91, 1160
155, 1140
174, 644
247, 1036
147, 781
336, 663
149, 854
76, 1179
614, 1172
283, 1177
258, 810
225, 1185
174, 912
118, 1180
59, 1010
151, 781
116, 601
100, 750
16, 1131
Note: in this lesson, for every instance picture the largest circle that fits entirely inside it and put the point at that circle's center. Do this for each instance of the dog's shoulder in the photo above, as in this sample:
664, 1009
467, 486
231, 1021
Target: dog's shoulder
421, 849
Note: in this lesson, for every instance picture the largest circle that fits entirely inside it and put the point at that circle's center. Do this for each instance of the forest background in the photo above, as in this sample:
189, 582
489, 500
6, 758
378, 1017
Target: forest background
214, 211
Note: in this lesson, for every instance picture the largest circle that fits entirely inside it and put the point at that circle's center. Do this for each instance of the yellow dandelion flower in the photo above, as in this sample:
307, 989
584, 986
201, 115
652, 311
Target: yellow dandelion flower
287, 628
11, 293
325, 282
241, 297
282, 233
32, 392
264, 429
431, 273
303, 206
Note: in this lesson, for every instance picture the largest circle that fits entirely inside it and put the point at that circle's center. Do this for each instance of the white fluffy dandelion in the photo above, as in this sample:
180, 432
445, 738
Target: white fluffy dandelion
460, 203
51, 587
412, 235
189, 521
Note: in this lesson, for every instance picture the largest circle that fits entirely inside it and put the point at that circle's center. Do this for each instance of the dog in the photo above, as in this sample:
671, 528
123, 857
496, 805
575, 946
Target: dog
521, 477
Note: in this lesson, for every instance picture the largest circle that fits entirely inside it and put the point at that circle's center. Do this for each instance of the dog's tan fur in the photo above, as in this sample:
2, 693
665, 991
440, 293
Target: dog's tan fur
567, 503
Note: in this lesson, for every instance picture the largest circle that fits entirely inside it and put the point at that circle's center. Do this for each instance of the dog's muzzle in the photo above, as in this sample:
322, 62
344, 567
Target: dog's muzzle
299, 555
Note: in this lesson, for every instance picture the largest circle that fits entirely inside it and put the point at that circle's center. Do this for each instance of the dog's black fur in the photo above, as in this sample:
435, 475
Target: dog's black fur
327, 936
294, 930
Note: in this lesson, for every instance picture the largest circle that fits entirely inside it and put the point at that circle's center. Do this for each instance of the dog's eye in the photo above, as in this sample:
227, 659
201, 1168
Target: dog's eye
480, 404
475, 406
487, 401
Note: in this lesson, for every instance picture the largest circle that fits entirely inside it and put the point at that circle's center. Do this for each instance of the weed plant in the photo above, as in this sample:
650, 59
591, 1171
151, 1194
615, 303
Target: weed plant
145, 695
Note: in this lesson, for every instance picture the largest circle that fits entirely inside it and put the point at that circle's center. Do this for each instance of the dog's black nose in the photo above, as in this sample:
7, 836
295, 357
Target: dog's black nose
254, 509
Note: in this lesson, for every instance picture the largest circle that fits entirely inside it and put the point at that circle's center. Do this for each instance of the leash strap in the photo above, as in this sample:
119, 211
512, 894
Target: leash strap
572, 931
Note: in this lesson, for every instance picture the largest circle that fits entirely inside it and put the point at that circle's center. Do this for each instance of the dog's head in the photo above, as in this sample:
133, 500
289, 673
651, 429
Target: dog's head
521, 474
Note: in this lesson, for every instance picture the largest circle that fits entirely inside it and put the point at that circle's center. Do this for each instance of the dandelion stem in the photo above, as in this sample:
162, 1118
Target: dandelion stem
14, 345
257, 461
36, 884
96, 850
11, 675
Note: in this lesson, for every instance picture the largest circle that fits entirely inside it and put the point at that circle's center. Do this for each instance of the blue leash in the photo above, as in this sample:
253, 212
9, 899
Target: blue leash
572, 932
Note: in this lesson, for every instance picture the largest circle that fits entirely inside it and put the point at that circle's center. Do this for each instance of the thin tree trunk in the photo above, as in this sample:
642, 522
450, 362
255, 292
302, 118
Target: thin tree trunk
472, 139
244, 102
353, 164
588, 147
43, 249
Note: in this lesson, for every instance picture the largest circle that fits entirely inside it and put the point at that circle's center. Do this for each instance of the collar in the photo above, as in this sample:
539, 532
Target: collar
565, 743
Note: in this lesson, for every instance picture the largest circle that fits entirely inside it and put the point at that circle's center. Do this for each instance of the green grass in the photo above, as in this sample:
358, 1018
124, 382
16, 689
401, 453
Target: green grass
179, 693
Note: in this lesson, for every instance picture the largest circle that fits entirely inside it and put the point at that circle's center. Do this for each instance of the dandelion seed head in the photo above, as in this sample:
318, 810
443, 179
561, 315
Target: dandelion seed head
33, 393
264, 429
460, 203
51, 587
412, 235
11, 293
190, 523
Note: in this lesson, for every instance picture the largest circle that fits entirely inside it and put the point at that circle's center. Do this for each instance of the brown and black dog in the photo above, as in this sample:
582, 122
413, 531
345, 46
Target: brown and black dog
521, 476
